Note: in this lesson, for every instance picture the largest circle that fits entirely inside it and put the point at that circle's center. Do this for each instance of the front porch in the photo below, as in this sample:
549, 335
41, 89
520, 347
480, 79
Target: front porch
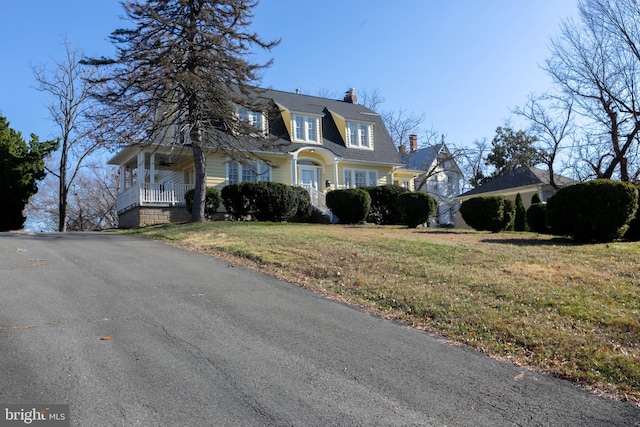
152, 195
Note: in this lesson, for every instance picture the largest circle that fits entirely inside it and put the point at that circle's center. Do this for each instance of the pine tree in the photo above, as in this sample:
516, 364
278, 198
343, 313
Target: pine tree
183, 65
21, 165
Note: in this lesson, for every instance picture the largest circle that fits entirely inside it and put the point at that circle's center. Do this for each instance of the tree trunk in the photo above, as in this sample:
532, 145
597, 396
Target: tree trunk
63, 190
200, 162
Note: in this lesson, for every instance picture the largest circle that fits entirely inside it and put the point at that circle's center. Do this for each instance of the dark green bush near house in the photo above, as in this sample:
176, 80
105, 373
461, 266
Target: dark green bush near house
274, 201
537, 218
211, 202
351, 205
520, 221
489, 213
416, 208
594, 211
633, 232
384, 208
236, 203
535, 199
303, 205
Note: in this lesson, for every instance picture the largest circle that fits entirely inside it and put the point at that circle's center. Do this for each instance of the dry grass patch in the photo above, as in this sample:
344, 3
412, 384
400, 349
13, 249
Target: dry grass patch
572, 310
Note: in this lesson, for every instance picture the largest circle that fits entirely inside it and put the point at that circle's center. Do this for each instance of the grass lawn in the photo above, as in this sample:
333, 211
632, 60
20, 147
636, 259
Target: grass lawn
540, 301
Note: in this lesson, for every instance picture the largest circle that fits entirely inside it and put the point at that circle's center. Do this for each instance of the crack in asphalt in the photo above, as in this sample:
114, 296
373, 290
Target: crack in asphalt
58, 322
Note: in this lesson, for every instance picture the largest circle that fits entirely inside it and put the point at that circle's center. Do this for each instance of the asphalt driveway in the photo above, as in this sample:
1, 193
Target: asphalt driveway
132, 332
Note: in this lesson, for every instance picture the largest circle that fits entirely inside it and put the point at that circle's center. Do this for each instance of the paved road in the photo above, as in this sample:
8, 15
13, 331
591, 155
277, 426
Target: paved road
196, 342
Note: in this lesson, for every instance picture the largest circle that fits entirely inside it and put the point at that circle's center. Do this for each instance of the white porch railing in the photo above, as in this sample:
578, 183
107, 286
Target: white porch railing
152, 195
318, 200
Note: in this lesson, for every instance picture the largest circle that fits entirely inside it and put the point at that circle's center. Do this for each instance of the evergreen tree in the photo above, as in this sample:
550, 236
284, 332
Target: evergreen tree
184, 66
520, 222
535, 199
510, 150
21, 165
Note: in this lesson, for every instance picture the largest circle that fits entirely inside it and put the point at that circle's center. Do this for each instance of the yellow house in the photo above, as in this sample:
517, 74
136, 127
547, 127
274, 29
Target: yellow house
525, 180
317, 143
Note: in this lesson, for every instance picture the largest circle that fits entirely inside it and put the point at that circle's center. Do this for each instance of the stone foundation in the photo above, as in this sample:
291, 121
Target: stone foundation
146, 215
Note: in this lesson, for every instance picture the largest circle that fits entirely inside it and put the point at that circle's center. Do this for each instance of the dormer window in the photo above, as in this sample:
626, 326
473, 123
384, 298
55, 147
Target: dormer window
254, 118
360, 135
306, 129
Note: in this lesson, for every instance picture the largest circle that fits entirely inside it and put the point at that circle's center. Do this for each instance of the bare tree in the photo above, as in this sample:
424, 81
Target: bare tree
551, 119
401, 124
184, 65
471, 161
596, 63
69, 87
93, 200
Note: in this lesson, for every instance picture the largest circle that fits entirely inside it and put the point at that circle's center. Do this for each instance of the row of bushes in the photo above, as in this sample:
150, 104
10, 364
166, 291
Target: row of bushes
599, 210
270, 201
381, 205
264, 201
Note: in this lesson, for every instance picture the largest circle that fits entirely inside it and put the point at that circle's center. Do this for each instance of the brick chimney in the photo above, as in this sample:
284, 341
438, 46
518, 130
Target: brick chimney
350, 96
413, 142
402, 149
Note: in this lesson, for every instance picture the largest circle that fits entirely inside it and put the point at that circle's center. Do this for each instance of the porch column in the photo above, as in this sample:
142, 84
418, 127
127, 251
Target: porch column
294, 171
122, 179
152, 168
335, 171
140, 169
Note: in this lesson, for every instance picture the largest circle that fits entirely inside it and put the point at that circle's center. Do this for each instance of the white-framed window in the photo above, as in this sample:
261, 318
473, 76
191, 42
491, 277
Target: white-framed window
360, 135
360, 178
254, 118
306, 129
252, 171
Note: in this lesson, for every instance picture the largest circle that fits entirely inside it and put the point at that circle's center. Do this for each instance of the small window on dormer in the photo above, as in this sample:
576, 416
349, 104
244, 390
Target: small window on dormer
306, 129
360, 135
254, 118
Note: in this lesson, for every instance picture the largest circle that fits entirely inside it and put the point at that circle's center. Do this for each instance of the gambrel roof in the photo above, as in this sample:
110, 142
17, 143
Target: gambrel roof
334, 114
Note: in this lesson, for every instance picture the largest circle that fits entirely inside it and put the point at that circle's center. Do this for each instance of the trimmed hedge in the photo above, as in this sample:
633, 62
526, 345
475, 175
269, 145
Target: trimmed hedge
303, 205
211, 202
275, 201
537, 218
384, 207
237, 204
598, 210
263, 201
351, 206
489, 213
416, 208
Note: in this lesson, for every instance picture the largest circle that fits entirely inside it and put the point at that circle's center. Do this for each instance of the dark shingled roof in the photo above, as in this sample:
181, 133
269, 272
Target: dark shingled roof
384, 149
520, 177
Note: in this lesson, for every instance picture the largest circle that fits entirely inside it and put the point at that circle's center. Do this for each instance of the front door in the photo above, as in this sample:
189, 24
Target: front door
309, 177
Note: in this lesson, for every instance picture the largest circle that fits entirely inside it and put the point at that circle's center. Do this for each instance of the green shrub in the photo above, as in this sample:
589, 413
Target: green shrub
211, 203
489, 213
303, 204
416, 208
235, 202
520, 220
633, 232
537, 218
351, 206
274, 201
535, 199
384, 208
598, 210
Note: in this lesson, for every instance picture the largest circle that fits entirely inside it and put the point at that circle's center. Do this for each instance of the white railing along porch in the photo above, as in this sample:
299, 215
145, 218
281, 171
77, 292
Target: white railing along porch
152, 195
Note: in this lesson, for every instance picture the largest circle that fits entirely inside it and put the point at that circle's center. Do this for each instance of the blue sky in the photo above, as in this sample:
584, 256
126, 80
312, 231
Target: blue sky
465, 64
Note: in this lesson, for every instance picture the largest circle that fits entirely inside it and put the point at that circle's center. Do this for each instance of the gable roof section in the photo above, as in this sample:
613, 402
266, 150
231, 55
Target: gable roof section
335, 114
523, 176
423, 159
